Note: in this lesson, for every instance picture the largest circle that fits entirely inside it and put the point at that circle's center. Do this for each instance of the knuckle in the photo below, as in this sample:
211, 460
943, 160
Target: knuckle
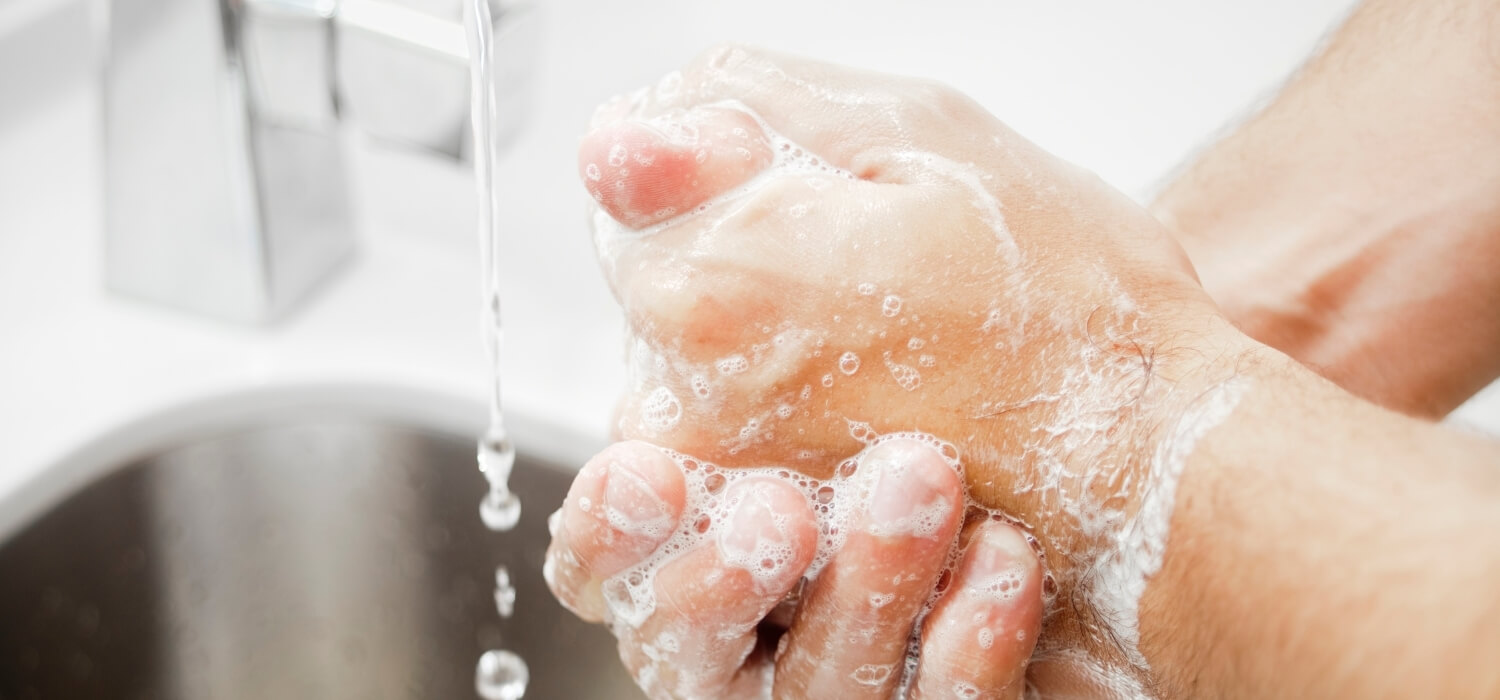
696, 313
931, 100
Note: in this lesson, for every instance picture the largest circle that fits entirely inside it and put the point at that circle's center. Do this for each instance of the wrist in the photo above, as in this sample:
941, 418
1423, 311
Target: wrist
1092, 465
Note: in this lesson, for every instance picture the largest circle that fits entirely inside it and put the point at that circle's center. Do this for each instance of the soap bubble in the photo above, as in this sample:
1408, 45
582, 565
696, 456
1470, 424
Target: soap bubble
734, 364
661, 410
890, 306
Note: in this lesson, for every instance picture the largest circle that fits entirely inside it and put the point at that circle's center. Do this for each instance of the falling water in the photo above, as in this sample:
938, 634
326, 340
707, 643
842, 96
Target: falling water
500, 508
500, 675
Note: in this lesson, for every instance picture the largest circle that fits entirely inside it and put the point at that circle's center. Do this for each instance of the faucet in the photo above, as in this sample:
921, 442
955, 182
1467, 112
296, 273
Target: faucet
226, 191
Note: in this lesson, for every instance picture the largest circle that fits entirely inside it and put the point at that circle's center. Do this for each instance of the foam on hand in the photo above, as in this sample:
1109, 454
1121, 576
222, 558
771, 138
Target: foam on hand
1111, 531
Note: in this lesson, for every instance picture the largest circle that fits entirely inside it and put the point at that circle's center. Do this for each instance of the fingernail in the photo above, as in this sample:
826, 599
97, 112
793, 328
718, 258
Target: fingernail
998, 562
756, 528
631, 501
909, 492
675, 128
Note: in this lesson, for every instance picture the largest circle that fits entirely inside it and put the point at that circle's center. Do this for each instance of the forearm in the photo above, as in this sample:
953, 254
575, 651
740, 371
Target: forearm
1355, 222
1322, 547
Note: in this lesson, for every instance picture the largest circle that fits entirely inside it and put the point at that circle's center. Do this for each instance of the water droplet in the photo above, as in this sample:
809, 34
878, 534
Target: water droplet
501, 675
500, 510
505, 593
866, 288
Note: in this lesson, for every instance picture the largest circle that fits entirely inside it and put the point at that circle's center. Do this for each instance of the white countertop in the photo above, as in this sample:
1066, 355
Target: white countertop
1124, 90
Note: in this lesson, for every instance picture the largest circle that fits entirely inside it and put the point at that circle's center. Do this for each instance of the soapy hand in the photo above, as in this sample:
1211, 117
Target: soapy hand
812, 260
708, 634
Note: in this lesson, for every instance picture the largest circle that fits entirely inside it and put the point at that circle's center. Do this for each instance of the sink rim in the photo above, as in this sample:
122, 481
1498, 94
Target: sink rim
124, 443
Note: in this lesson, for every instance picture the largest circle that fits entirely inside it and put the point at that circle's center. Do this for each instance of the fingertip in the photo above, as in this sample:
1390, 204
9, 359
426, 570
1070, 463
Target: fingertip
982, 631
1002, 575
915, 491
643, 172
661, 474
624, 167
770, 533
1000, 563
625, 503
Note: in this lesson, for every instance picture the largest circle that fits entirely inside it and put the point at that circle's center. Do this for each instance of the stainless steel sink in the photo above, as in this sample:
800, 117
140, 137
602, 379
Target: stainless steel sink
322, 558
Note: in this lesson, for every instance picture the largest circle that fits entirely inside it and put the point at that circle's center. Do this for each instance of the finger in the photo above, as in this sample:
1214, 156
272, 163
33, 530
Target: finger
709, 601
623, 505
858, 120
849, 638
977, 639
642, 172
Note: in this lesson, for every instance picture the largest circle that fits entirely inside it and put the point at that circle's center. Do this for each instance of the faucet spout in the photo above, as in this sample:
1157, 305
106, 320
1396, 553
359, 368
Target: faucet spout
226, 189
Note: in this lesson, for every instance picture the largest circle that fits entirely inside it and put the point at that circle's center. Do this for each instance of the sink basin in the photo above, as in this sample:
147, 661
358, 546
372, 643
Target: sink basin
323, 557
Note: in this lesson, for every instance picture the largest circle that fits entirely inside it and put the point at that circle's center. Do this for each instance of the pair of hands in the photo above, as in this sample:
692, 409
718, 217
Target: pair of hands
926, 269
810, 258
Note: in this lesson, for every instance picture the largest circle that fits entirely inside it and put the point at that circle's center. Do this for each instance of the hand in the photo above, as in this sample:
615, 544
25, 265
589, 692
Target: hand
809, 257
848, 637
1072, 365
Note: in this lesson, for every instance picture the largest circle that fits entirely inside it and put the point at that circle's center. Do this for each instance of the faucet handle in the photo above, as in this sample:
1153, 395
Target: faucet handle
403, 72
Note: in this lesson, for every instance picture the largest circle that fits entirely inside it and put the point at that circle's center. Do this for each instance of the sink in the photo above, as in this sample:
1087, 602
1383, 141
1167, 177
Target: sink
326, 556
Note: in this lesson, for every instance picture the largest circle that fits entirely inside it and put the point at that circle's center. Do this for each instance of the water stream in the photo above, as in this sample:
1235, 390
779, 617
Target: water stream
500, 674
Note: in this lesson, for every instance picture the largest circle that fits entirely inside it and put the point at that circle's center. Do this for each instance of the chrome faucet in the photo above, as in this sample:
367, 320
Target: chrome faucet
225, 184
